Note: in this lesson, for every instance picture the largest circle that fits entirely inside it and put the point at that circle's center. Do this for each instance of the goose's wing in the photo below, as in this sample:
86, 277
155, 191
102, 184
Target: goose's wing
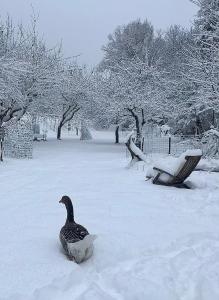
72, 233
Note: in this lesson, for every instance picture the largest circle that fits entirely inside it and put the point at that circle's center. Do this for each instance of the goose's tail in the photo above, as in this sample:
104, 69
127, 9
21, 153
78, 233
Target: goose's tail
83, 249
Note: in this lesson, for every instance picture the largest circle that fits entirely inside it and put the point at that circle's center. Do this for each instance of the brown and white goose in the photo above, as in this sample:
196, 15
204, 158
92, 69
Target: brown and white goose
75, 239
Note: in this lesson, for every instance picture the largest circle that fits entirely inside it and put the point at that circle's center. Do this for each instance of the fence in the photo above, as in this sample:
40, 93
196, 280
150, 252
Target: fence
174, 145
18, 141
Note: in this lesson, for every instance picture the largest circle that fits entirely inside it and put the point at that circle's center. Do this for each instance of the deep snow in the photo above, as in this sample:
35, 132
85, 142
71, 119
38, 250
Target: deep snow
154, 242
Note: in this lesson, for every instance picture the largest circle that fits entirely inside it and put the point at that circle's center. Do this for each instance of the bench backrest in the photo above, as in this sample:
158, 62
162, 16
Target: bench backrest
186, 170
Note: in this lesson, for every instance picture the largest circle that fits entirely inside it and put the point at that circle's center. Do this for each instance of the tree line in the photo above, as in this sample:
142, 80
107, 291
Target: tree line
37, 81
145, 76
169, 77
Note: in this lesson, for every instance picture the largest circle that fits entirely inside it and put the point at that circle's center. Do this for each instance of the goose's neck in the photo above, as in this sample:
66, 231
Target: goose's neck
70, 212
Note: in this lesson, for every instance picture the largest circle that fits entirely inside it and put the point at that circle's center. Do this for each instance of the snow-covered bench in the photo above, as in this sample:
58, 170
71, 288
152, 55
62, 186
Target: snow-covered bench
175, 173
37, 136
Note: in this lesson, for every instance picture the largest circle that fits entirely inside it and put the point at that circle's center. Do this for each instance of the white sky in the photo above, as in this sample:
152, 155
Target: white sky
83, 25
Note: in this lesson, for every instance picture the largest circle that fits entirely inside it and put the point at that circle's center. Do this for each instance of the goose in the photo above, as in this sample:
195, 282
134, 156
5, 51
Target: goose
75, 239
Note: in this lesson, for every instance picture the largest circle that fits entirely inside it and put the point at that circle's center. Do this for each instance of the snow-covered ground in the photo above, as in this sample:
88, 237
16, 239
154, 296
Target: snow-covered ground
154, 242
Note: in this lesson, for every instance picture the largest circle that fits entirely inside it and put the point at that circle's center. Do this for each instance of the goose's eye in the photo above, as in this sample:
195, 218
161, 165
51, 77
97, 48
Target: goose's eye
82, 233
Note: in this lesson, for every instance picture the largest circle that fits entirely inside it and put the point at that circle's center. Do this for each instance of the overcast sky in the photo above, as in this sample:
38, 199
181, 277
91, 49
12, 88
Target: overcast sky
83, 25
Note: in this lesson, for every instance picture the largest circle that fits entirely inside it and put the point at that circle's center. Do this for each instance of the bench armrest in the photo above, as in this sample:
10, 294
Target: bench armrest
162, 171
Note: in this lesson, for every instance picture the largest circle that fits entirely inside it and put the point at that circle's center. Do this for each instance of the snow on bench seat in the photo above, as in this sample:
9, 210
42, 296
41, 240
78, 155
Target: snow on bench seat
172, 166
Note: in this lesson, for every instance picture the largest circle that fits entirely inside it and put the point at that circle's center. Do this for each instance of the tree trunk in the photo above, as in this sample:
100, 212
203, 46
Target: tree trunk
59, 131
66, 117
138, 126
138, 132
117, 135
77, 131
133, 154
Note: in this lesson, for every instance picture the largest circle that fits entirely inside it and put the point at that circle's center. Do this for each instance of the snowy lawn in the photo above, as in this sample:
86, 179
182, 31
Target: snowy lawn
154, 242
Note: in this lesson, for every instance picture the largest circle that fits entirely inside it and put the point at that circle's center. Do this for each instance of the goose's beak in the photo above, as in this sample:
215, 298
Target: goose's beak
60, 201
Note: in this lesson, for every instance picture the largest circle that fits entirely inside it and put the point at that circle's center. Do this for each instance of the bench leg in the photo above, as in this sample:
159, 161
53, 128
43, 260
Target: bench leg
179, 186
155, 180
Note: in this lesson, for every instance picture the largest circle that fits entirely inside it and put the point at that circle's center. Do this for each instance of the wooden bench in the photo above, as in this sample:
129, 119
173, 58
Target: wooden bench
178, 179
39, 137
